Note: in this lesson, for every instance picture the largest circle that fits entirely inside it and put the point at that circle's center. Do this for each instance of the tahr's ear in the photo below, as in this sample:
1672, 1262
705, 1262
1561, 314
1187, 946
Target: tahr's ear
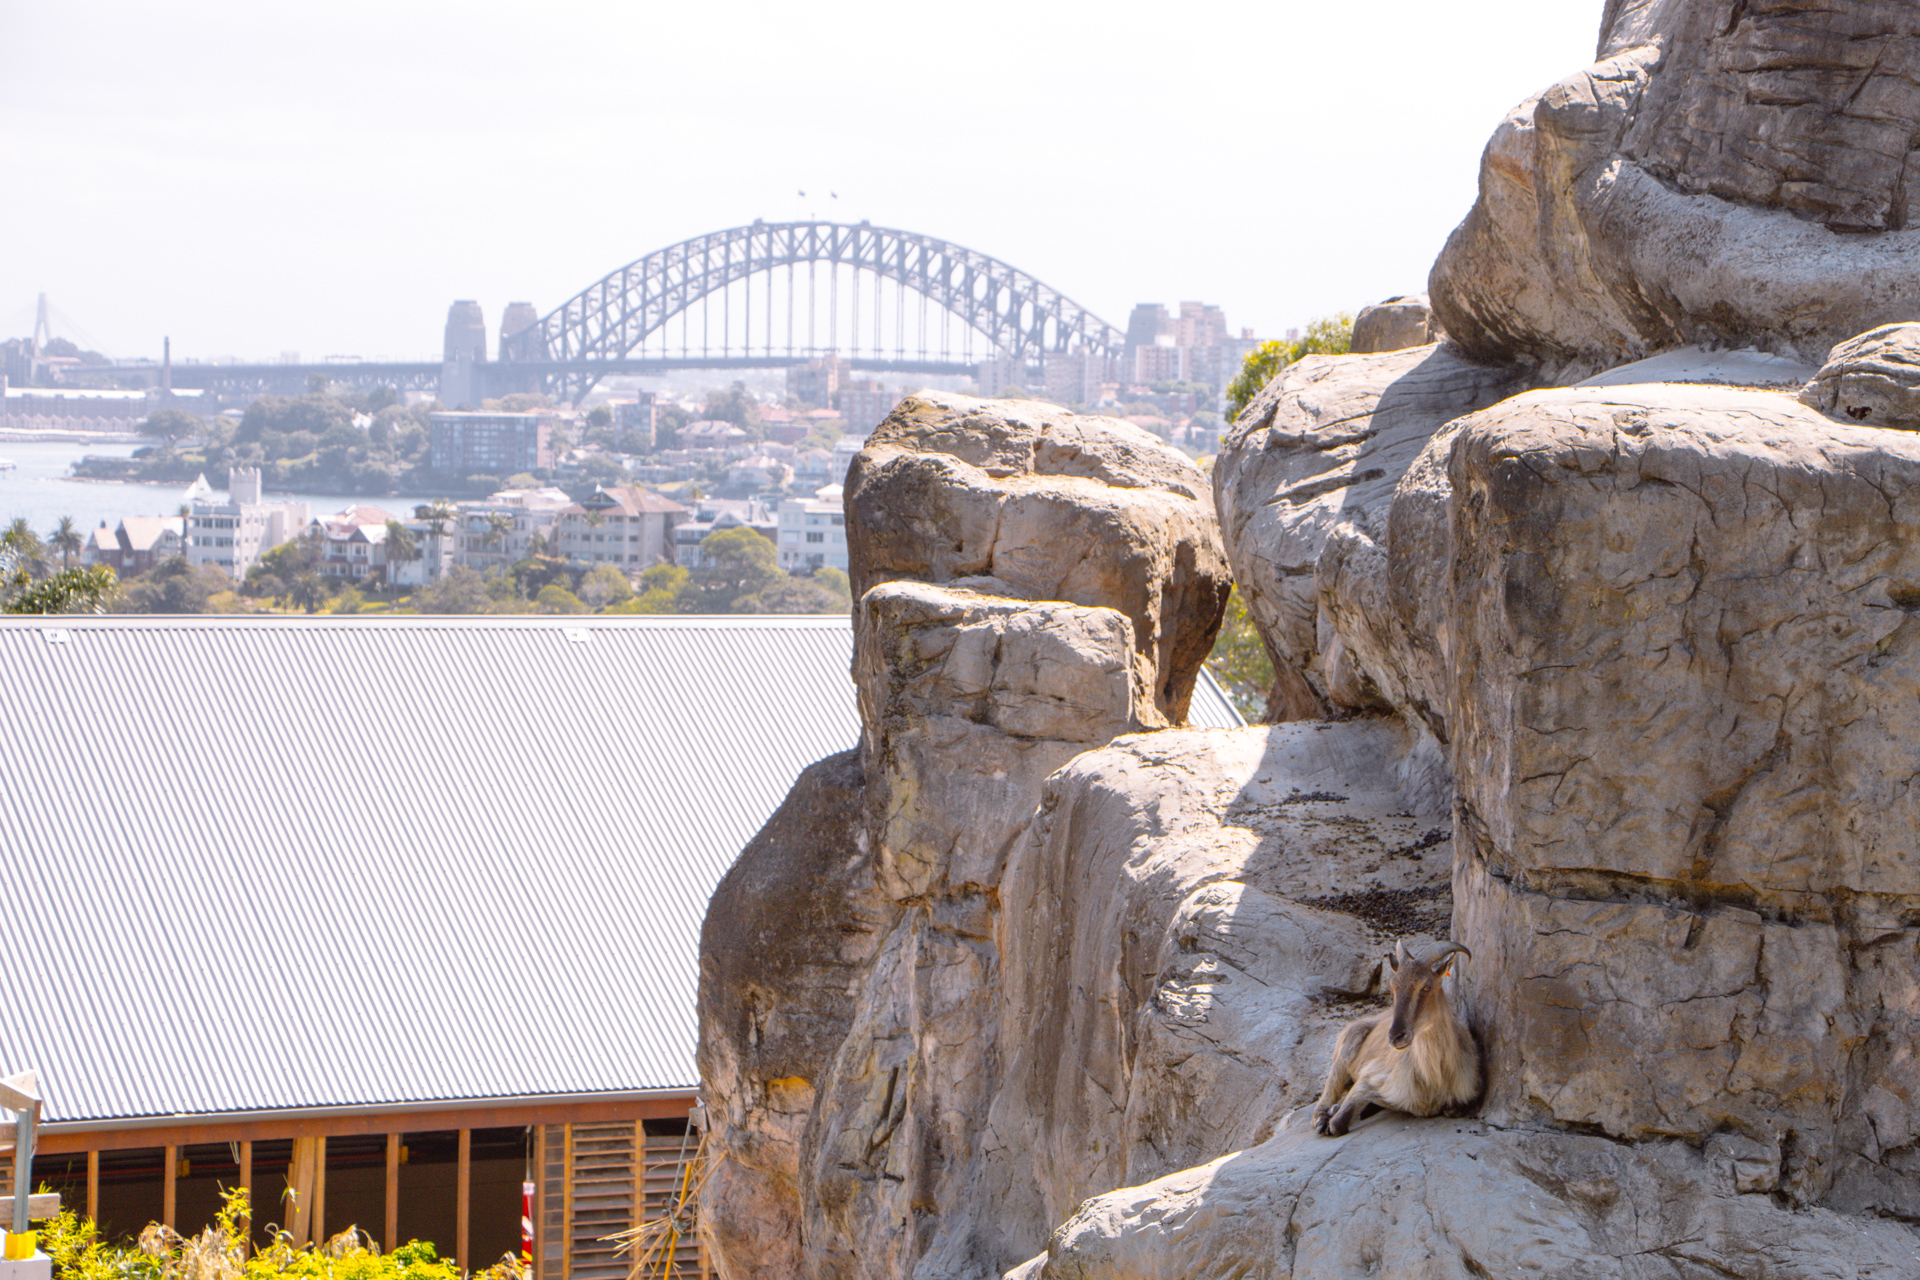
1393, 962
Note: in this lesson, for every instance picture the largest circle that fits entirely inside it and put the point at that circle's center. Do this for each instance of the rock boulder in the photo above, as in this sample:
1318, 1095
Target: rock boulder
1018, 499
1873, 379
1687, 188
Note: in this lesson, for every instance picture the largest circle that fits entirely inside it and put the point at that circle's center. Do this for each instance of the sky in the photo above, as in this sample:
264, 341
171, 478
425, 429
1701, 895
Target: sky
253, 178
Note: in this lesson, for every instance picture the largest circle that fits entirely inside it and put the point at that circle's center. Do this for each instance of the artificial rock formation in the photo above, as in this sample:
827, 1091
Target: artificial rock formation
1873, 379
1393, 325
1729, 175
1009, 563
1617, 683
1009, 498
1304, 484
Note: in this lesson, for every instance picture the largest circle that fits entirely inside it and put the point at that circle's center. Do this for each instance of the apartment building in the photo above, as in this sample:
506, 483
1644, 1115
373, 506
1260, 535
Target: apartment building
813, 532
625, 526
233, 534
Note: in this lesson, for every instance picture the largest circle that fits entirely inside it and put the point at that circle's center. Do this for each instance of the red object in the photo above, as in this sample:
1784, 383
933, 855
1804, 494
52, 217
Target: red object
526, 1224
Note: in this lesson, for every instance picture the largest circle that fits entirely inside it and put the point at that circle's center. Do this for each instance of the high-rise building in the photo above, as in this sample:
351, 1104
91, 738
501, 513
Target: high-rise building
865, 405
817, 381
490, 444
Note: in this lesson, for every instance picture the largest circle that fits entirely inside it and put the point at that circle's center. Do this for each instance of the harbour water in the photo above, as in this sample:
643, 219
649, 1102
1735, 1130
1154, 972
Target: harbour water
39, 487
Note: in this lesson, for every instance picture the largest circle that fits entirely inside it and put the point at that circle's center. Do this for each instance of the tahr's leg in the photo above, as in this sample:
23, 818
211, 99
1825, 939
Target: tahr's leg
1340, 1073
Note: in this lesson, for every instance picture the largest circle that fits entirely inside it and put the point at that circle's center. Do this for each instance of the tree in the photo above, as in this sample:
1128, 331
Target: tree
836, 581
792, 595
308, 592
554, 598
459, 590
1328, 335
25, 544
437, 514
733, 563
1241, 663
499, 525
67, 541
604, 585
69, 591
402, 549
169, 423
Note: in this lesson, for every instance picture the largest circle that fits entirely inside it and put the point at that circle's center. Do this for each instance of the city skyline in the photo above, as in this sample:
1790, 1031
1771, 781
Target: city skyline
328, 180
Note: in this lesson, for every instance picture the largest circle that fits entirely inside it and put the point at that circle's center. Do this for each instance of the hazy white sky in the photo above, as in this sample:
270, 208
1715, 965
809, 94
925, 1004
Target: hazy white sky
256, 177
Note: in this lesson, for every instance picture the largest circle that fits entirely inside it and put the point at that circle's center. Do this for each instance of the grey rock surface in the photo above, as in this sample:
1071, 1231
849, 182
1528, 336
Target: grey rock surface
1687, 189
1018, 499
1187, 922
1304, 485
1461, 1200
1686, 695
1393, 325
1873, 379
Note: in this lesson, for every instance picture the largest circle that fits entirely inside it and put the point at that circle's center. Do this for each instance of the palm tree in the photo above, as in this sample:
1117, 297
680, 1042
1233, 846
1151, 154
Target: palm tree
499, 525
29, 554
307, 592
67, 541
438, 514
594, 520
402, 548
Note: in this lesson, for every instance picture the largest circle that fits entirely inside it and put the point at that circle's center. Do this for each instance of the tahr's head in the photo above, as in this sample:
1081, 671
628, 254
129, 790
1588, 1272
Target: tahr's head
1416, 988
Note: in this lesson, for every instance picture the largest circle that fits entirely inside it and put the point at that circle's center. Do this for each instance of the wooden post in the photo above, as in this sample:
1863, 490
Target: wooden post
540, 1202
299, 1223
392, 1237
461, 1213
246, 1185
319, 1189
639, 1174
167, 1199
93, 1185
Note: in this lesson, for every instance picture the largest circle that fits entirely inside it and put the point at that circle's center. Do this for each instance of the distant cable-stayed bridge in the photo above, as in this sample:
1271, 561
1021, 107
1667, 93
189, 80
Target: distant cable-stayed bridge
769, 295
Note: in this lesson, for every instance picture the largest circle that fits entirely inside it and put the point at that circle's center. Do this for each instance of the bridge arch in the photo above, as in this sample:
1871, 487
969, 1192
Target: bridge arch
1009, 312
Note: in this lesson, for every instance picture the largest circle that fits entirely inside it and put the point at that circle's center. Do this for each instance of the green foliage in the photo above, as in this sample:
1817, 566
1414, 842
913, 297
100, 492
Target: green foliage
173, 586
604, 585
600, 416
220, 1252
835, 580
1240, 661
307, 592
69, 591
459, 590
733, 563
792, 595
169, 423
67, 541
554, 598
1328, 335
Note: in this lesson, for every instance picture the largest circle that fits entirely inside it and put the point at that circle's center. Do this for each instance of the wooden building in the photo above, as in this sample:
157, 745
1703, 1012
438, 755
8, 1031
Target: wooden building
402, 914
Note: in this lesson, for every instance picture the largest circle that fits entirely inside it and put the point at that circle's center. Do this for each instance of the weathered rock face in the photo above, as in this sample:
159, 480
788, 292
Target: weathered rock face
1685, 692
1686, 189
1873, 379
788, 931
1011, 498
848, 1026
1457, 1200
1393, 325
1187, 922
1304, 484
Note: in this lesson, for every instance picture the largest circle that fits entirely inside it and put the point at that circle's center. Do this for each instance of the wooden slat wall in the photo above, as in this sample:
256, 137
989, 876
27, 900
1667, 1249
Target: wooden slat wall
601, 1176
607, 1164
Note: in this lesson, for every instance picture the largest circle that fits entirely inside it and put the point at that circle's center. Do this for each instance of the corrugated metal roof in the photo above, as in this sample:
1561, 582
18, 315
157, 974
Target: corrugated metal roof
257, 864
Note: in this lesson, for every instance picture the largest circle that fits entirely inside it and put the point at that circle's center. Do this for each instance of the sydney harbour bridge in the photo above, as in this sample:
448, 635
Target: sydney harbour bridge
769, 295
